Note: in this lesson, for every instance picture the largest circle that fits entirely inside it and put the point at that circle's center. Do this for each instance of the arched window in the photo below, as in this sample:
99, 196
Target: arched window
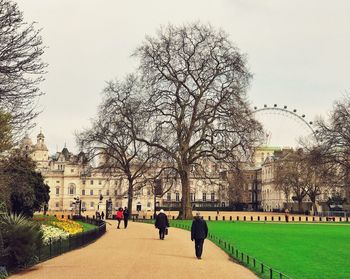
71, 189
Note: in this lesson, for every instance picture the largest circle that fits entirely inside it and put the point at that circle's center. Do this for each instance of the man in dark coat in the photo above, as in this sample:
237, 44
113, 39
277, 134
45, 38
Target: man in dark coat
161, 223
126, 216
199, 232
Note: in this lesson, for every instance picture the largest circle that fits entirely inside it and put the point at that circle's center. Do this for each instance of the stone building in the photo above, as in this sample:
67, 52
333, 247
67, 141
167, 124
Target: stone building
70, 176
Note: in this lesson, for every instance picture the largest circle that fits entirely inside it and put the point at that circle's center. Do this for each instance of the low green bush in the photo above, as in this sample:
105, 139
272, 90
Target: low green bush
22, 238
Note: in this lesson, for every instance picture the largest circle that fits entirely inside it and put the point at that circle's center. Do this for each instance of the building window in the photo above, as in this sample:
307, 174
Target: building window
84, 181
177, 197
92, 204
83, 192
91, 192
100, 182
149, 204
212, 197
204, 197
193, 196
107, 193
168, 196
71, 170
57, 204
91, 182
83, 204
148, 192
57, 191
71, 190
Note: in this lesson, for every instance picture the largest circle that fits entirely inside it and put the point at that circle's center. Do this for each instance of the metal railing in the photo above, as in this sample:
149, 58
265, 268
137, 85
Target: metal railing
56, 247
257, 266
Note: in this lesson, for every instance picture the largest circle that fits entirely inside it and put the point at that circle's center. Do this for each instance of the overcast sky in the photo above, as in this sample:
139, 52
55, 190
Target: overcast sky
298, 52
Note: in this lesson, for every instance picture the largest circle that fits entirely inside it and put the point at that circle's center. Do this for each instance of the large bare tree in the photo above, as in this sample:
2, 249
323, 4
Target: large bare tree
196, 82
21, 67
112, 137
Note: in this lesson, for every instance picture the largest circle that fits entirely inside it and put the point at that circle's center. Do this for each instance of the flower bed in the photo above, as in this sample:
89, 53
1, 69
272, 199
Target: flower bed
53, 233
68, 226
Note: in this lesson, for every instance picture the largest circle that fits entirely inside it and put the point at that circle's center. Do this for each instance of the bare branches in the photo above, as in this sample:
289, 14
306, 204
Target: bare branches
335, 138
113, 136
196, 82
21, 67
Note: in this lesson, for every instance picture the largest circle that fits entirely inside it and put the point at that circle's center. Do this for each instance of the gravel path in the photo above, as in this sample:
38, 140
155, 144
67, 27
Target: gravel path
136, 252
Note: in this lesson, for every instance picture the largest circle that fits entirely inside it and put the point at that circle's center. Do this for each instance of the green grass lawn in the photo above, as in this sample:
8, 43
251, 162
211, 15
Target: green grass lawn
86, 226
298, 250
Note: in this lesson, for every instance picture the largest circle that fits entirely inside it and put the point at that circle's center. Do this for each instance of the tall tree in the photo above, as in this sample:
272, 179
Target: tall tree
112, 137
196, 82
21, 67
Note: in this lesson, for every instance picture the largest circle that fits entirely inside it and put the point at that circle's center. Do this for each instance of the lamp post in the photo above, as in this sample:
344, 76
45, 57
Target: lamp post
157, 189
77, 206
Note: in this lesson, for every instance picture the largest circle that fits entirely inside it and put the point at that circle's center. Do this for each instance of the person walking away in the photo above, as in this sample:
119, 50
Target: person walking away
119, 216
161, 223
126, 216
286, 214
102, 215
199, 232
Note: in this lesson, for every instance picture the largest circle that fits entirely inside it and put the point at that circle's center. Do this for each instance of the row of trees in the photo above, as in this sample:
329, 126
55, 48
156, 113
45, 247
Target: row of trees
186, 102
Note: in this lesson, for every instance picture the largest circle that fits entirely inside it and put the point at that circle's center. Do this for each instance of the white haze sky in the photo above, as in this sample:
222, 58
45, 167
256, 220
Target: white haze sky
298, 52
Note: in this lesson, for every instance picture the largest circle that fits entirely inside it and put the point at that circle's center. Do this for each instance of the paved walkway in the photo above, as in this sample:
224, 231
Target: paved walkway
136, 252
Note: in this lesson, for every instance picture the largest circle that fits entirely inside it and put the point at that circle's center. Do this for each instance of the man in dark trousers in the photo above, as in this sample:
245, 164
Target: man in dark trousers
199, 232
126, 216
161, 223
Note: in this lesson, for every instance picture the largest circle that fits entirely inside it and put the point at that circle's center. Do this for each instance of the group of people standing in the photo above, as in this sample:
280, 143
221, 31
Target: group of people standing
122, 214
199, 230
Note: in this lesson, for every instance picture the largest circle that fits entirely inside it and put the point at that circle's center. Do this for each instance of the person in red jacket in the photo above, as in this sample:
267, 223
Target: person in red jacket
119, 216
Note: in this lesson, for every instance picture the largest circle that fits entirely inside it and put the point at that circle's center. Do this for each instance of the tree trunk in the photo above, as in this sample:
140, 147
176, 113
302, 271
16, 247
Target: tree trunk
130, 196
300, 205
314, 207
186, 209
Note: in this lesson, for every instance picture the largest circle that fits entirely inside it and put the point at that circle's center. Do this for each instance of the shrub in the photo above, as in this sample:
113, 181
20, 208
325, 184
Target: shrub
22, 238
3, 272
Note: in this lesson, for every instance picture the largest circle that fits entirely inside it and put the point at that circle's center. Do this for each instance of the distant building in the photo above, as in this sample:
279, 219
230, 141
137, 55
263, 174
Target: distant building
70, 176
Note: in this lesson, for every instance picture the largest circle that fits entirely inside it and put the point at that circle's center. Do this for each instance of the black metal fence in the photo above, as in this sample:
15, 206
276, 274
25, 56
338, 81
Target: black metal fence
59, 246
258, 267
56, 247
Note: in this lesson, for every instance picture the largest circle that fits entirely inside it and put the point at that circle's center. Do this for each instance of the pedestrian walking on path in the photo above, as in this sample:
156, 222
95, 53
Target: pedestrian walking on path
161, 223
199, 232
119, 216
126, 217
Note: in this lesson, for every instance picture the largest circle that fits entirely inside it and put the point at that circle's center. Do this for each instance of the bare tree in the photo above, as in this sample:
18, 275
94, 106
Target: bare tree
21, 67
320, 174
334, 134
237, 187
196, 83
112, 137
290, 176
